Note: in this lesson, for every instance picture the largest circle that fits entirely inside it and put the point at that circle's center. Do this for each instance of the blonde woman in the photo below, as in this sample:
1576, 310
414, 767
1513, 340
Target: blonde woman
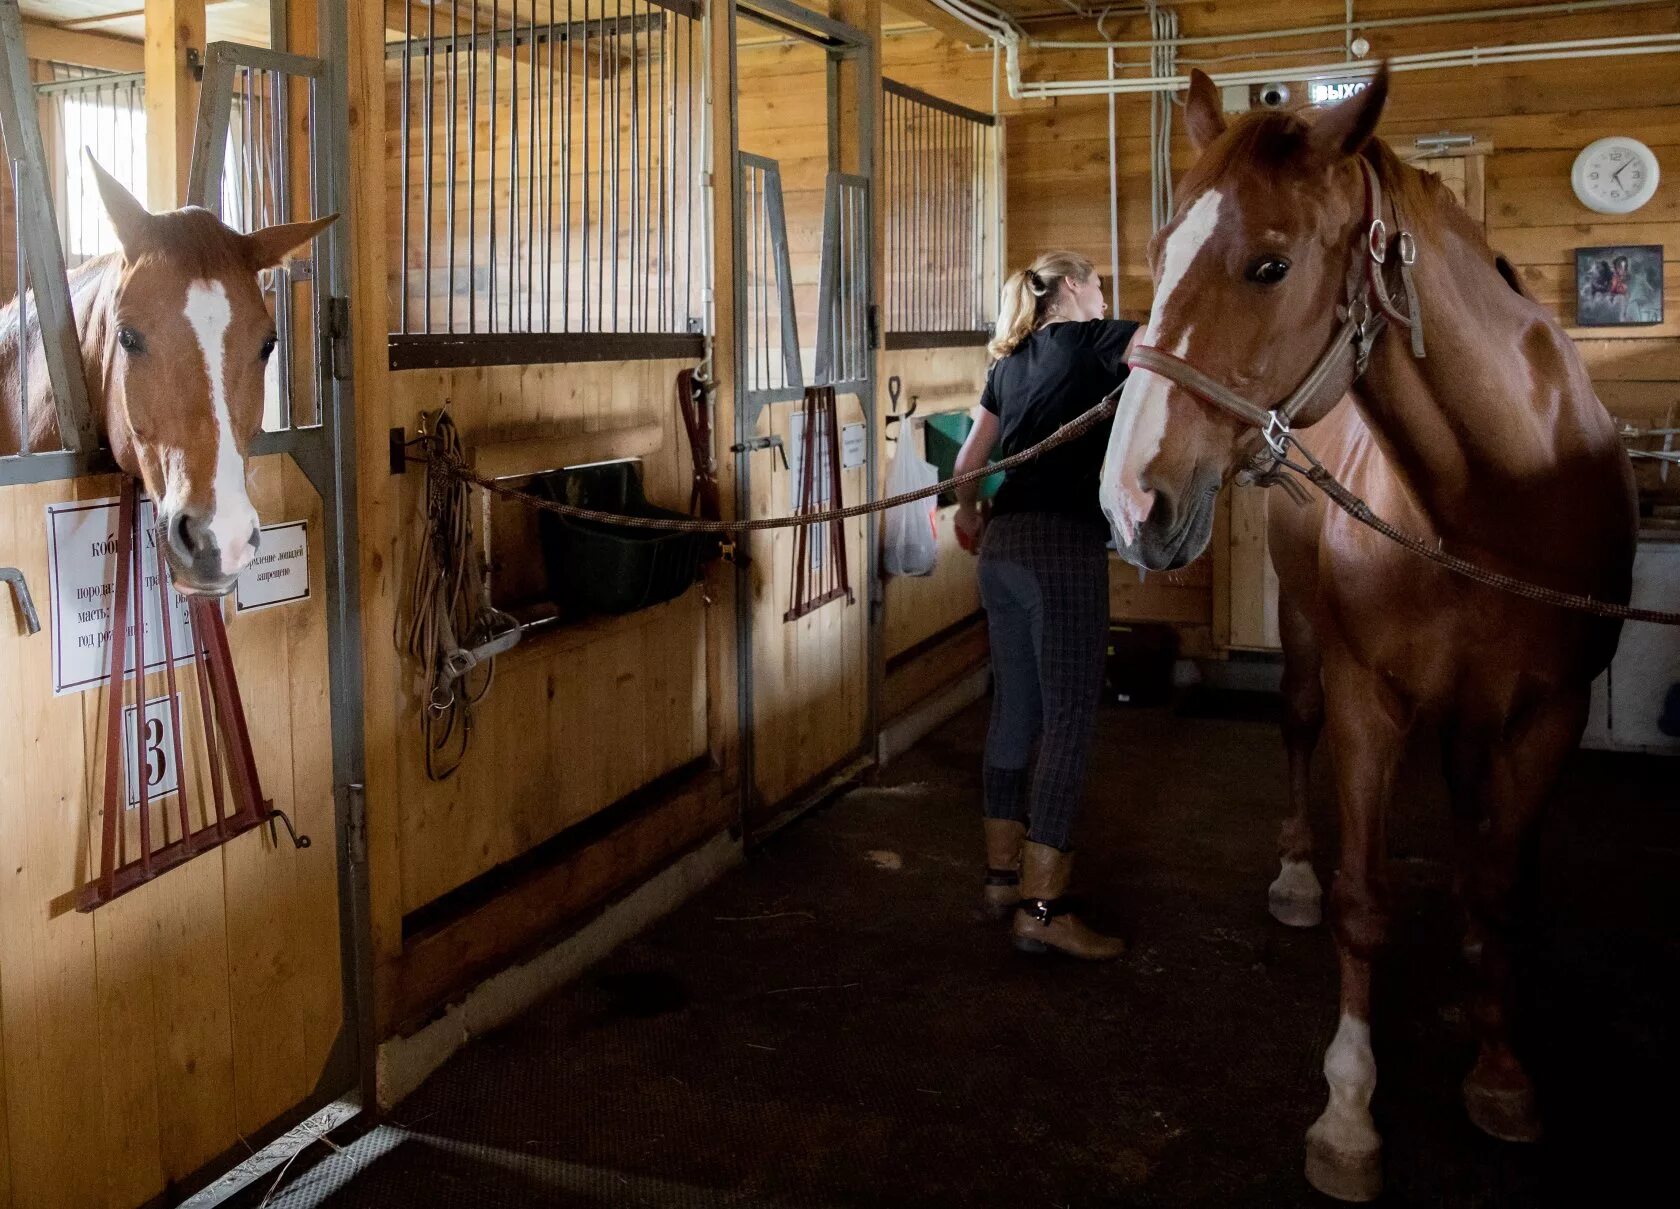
1044, 583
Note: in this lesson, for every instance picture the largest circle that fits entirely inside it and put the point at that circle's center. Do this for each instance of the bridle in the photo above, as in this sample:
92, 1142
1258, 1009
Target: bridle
1366, 309
1365, 312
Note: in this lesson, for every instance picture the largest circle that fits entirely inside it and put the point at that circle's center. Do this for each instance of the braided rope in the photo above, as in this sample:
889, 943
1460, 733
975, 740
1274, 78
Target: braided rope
449, 462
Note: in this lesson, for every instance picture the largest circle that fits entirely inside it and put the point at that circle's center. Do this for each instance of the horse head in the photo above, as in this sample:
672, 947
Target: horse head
183, 346
1249, 275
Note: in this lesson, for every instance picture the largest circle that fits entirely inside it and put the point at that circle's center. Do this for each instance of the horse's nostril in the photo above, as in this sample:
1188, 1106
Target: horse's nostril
181, 536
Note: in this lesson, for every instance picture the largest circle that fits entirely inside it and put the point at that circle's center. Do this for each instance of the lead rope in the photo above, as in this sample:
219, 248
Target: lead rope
1315, 473
448, 462
444, 602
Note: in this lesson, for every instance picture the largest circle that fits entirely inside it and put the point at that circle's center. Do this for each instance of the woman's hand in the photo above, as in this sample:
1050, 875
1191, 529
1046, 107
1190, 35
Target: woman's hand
970, 524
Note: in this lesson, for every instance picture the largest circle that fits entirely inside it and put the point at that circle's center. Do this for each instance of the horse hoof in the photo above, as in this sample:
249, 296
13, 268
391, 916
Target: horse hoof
1295, 899
1342, 1175
1507, 1113
1296, 912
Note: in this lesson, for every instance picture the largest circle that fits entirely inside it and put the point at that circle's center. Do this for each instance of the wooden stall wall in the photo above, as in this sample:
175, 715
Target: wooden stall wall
141, 1041
934, 630
636, 712
1535, 117
810, 676
578, 715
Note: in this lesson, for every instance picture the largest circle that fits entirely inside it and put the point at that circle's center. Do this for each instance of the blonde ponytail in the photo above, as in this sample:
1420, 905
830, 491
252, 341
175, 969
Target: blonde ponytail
1028, 296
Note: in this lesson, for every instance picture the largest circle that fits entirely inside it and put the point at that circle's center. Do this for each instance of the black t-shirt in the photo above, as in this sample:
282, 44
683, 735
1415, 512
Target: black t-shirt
1055, 375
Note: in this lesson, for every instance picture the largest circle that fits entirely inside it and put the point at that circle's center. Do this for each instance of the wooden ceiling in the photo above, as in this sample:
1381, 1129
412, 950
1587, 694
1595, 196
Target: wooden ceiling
225, 20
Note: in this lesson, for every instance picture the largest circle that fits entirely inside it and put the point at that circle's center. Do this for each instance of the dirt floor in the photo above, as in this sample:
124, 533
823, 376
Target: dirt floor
832, 1026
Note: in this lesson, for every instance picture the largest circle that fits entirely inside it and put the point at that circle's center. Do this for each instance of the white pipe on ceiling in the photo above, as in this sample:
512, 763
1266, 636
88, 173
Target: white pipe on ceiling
1345, 27
1532, 52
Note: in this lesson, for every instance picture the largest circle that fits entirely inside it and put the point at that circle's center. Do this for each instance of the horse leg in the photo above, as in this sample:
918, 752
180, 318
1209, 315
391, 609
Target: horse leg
1521, 770
1295, 898
1368, 727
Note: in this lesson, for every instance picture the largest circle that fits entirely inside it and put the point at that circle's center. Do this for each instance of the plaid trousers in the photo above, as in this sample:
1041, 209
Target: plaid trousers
1044, 584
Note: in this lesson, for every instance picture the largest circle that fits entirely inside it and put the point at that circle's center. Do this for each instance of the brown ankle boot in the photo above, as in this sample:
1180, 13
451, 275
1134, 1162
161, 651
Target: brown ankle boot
1042, 922
1004, 838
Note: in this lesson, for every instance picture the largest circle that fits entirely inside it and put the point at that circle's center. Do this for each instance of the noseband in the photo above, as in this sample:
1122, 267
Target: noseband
1366, 310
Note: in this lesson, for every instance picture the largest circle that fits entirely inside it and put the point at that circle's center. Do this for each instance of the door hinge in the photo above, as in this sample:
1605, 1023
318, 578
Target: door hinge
355, 822
338, 333
874, 325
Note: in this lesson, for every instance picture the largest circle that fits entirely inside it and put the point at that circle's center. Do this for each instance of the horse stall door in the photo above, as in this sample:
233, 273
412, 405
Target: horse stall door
153, 1042
808, 706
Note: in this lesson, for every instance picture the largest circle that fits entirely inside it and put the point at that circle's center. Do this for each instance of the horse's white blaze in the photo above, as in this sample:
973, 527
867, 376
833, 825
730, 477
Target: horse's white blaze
1351, 1070
232, 518
1141, 420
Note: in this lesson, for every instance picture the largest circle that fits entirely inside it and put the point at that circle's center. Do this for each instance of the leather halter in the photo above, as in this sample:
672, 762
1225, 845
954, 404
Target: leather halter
1366, 311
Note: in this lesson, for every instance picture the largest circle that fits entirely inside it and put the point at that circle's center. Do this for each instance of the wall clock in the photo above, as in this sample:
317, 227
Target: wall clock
1615, 175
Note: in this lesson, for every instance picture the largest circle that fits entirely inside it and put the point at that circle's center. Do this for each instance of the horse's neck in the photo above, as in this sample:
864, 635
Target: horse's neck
1498, 424
90, 287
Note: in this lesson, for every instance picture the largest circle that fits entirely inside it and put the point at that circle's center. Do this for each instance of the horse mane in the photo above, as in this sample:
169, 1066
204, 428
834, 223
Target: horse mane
1273, 141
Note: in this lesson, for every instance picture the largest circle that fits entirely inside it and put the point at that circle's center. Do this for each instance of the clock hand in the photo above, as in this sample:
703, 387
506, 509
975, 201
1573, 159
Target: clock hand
1617, 174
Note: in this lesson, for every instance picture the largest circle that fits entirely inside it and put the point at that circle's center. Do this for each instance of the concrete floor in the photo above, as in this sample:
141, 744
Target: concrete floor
832, 1026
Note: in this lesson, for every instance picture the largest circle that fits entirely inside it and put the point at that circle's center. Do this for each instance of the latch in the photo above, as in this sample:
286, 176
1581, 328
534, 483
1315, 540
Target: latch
758, 443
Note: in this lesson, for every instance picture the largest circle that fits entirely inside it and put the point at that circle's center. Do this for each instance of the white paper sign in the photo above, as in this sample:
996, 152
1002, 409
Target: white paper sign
852, 446
82, 549
279, 574
150, 749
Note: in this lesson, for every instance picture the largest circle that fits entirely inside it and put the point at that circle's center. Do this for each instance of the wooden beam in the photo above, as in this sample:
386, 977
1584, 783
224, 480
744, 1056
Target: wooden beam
50, 43
173, 27
931, 15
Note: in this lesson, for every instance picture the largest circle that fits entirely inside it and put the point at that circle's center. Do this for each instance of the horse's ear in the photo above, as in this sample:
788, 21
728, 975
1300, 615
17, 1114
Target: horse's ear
1204, 112
268, 247
131, 221
1345, 129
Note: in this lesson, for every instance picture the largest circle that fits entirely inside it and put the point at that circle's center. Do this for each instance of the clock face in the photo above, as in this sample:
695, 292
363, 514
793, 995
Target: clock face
1615, 175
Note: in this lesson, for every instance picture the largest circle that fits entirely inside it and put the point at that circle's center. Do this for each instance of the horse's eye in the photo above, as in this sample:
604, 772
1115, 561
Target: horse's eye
267, 349
130, 340
1269, 270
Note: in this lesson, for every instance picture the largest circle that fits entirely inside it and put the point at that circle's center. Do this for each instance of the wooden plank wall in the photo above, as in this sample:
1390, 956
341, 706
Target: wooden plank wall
810, 676
783, 114
942, 380
580, 715
139, 1042
1536, 116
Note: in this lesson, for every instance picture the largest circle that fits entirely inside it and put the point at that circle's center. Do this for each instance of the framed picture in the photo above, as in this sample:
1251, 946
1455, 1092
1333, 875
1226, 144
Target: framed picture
1619, 286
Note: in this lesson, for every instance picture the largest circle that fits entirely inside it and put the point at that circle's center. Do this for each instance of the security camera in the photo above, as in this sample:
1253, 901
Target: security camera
1274, 96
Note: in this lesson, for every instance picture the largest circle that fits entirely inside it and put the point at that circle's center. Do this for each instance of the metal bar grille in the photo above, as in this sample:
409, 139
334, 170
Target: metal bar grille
38, 262
843, 284
773, 371
943, 222
571, 212
246, 170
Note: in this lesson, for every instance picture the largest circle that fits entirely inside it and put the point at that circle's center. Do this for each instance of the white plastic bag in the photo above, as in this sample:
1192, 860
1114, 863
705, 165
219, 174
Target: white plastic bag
911, 534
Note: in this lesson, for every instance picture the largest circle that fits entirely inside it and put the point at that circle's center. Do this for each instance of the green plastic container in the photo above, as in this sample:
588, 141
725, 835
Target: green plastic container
945, 434
594, 567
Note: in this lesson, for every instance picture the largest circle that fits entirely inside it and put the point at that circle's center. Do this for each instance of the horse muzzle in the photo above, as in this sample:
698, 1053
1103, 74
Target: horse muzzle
1174, 534
199, 565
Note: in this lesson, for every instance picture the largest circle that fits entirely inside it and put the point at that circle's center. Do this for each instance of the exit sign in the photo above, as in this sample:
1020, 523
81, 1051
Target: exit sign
1328, 92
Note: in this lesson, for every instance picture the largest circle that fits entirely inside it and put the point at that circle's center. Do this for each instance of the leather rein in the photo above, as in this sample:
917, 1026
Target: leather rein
1366, 310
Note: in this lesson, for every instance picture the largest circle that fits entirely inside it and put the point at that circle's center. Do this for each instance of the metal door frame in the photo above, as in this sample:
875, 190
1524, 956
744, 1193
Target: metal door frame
842, 42
326, 453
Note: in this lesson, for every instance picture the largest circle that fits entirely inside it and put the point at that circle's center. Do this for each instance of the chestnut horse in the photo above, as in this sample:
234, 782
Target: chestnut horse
1489, 441
174, 337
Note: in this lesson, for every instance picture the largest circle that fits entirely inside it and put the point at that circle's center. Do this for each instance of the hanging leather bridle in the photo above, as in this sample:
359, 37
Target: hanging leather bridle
1367, 308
